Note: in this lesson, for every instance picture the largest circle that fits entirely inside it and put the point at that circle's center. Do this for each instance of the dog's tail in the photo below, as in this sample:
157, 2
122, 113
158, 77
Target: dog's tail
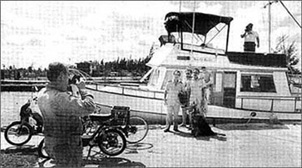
220, 134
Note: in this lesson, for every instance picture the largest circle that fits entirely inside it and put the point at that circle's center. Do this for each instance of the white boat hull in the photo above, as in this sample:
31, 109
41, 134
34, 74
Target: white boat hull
149, 104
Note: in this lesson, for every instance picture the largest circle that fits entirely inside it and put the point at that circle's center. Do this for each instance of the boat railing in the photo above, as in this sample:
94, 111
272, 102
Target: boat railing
295, 83
202, 48
273, 101
133, 90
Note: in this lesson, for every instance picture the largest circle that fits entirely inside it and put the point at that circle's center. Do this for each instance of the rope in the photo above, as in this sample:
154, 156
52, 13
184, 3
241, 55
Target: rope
290, 14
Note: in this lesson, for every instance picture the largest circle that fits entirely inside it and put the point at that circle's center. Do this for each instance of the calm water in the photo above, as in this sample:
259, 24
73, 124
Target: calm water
11, 103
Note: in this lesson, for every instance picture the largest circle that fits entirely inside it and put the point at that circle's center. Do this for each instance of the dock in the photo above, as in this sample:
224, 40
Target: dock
22, 85
28, 85
252, 145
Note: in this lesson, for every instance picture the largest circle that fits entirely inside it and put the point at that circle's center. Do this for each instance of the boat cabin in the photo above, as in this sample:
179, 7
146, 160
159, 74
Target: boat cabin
243, 80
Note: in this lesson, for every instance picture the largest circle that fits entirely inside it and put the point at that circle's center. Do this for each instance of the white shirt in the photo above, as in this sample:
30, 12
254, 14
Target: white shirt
172, 90
196, 90
251, 36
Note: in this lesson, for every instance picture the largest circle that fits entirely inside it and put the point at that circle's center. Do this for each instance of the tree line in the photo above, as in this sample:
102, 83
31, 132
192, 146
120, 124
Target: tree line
119, 67
135, 67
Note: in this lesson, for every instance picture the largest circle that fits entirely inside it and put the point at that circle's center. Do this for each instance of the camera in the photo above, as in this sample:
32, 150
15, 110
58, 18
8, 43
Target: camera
74, 79
72, 85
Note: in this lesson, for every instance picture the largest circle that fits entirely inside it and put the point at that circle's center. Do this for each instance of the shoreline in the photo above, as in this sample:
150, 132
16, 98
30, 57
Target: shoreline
28, 85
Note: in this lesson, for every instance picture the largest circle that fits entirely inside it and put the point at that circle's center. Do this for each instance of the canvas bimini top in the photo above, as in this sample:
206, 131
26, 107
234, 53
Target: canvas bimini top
182, 21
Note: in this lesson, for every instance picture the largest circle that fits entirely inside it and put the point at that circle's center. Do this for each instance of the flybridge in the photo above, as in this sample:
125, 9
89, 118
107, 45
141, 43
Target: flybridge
196, 23
203, 23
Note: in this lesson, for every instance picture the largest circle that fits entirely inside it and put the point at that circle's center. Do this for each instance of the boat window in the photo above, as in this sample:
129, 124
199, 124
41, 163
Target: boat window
154, 77
168, 77
229, 80
257, 83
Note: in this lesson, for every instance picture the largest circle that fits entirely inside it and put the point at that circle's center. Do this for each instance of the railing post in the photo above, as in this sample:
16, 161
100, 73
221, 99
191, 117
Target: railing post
272, 105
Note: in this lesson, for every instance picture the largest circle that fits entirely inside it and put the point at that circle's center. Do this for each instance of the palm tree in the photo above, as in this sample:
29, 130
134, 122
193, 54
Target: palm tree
290, 50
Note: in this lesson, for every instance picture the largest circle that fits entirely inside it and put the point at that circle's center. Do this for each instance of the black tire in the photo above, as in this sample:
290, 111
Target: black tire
112, 142
41, 150
138, 129
18, 134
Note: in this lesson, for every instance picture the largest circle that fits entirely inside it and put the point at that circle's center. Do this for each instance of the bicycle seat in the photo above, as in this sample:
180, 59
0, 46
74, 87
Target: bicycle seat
100, 117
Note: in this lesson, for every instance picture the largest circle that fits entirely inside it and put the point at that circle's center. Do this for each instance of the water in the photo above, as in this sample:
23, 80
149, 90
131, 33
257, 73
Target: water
11, 103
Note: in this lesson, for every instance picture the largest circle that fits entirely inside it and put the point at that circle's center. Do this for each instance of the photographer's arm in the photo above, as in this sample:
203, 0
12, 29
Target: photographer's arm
243, 35
71, 105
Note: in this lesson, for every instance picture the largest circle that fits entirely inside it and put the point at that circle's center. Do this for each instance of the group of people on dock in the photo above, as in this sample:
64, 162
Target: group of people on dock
196, 92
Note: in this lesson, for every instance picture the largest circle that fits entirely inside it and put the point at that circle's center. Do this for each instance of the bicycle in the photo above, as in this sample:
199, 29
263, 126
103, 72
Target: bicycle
20, 132
119, 121
107, 137
135, 128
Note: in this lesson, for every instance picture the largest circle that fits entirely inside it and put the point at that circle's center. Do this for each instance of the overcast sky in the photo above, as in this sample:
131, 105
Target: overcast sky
37, 33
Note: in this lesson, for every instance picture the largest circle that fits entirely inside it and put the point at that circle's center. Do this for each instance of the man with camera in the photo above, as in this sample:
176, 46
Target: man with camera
250, 38
61, 111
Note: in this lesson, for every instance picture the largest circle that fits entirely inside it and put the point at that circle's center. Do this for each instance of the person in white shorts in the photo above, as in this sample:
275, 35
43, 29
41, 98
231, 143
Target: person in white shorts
173, 88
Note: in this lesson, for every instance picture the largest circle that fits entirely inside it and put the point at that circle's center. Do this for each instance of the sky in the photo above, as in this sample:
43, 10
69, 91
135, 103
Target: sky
36, 33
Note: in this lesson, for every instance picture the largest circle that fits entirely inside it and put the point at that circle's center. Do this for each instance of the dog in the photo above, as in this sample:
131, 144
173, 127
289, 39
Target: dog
200, 127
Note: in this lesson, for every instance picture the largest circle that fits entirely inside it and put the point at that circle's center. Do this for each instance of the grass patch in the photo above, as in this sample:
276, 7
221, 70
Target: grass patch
18, 157
17, 160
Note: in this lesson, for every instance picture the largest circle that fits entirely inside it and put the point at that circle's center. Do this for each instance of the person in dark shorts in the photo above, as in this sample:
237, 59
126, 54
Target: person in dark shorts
185, 106
250, 38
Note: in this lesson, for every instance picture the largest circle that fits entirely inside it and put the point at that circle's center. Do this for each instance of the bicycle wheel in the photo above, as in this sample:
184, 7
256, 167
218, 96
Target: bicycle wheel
112, 142
41, 150
138, 129
17, 133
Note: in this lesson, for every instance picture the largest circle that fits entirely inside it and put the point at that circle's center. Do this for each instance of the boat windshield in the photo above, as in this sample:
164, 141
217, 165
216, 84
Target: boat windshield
154, 78
214, 39
205, 29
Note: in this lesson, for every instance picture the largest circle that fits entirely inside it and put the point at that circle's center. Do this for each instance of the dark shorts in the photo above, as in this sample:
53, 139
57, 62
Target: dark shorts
249, 46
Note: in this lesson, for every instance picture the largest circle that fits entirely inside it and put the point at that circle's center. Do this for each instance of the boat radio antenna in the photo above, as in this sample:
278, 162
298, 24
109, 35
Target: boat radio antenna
179, 34
269, 18
269, 22
193, 27
180, 6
